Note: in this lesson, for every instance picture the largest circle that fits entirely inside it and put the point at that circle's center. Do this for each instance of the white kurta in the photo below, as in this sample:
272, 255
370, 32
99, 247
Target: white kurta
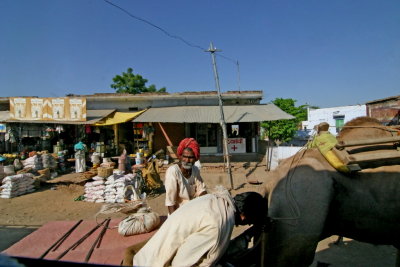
196, 234
180, 190
80, 161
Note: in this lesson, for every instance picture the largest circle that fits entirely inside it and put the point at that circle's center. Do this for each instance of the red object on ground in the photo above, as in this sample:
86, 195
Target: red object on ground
111, 250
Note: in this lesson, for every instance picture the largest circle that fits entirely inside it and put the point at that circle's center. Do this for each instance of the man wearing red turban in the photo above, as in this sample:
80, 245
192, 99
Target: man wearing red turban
183, 181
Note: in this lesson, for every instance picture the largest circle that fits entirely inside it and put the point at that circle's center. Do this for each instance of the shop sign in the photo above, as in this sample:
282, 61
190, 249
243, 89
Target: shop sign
48, 109
236, 145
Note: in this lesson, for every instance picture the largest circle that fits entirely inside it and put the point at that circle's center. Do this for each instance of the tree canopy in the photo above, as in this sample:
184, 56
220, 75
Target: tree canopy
132, 83
284, 130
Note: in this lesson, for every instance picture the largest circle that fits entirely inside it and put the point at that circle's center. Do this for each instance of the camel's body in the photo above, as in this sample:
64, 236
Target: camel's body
309, 201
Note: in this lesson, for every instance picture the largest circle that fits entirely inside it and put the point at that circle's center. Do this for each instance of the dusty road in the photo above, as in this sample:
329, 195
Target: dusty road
22, 215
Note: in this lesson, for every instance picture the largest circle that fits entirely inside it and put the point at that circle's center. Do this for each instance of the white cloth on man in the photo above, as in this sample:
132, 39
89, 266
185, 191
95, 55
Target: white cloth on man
197, 233
179, 189
80, 161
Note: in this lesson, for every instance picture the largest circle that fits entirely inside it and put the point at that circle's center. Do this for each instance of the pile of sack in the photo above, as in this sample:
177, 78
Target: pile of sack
94, 191
49, 161
16, 185
111, 190
34, 162
116, 186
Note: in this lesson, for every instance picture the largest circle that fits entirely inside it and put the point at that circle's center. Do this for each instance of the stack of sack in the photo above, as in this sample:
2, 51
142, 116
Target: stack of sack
34, 162
111, 190
94, 191
115, 187
17, 185
2, 173
9, 170
49, 161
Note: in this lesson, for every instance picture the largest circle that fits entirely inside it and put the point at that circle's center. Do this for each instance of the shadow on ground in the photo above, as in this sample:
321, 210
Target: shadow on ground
12, 234
350, 253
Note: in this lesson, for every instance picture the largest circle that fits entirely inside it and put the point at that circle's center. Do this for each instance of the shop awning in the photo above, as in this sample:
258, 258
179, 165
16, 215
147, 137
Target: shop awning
211, 114
119, 117
92, 116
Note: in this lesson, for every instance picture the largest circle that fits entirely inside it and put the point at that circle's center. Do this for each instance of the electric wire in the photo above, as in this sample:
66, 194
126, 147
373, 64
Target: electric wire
165, 31
155, 26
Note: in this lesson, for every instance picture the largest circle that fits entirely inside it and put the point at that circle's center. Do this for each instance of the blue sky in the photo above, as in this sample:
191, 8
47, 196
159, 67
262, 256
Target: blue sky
318, 52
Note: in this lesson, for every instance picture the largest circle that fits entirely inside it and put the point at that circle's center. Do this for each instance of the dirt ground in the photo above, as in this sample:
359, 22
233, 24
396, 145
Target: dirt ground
56, 201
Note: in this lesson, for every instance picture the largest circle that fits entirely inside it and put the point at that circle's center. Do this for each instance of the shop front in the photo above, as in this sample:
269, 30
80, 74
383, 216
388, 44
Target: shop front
46, 124
117, 132
242, 137
203, 124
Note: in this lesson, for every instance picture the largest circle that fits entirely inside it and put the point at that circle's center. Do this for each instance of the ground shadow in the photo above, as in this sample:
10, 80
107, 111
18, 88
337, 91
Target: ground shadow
350, 253
12, 234
252, 169
240, 186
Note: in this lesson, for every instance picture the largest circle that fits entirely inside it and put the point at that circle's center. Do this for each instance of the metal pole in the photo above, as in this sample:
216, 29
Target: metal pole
238, 70
212, 50
59, 241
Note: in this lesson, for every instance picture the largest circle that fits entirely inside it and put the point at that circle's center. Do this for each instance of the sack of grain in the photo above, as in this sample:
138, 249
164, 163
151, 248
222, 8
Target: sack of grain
143, 221
9, 170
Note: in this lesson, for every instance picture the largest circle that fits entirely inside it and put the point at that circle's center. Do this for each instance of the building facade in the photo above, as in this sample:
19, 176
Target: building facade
386, 110
335, 116
154, 121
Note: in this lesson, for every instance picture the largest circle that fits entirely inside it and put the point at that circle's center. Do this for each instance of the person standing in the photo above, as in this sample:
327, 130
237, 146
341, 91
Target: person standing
80, 157
183, 181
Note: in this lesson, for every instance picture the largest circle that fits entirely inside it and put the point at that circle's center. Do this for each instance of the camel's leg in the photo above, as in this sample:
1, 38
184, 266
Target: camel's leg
130, 252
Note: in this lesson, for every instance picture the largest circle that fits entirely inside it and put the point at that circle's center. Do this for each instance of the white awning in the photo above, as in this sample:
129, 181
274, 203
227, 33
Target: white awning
211, 114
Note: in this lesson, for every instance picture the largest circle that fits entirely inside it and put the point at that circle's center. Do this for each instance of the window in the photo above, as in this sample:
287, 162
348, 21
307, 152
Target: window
205, 133
339, 122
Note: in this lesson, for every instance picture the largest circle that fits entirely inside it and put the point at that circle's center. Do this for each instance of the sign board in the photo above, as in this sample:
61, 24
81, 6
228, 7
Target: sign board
48, 109
236, 145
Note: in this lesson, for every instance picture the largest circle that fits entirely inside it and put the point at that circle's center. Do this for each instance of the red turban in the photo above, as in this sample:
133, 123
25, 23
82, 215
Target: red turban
189, 143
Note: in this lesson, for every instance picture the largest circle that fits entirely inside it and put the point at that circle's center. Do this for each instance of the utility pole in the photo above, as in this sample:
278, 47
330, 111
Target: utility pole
212, 50
238, 70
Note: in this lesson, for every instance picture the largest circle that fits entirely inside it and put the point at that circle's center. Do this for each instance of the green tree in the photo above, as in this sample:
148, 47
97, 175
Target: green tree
284, 130
132, 83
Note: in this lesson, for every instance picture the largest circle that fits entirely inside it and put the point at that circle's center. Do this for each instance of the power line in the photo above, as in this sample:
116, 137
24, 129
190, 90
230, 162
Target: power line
155, 26
164, 31
236, 62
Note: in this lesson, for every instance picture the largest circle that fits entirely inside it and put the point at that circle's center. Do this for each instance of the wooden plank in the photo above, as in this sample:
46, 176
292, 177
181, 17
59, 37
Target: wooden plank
374, 156
170, 146
172, 152
365, 148
371, 141
165, 134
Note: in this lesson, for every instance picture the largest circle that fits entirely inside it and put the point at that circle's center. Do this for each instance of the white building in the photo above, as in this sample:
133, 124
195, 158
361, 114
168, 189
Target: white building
336, 116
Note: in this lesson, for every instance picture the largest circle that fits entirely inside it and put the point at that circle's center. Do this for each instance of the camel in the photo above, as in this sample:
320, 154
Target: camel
309, 200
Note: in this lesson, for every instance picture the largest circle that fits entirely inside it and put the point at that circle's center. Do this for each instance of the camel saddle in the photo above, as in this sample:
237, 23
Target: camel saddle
370, 153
